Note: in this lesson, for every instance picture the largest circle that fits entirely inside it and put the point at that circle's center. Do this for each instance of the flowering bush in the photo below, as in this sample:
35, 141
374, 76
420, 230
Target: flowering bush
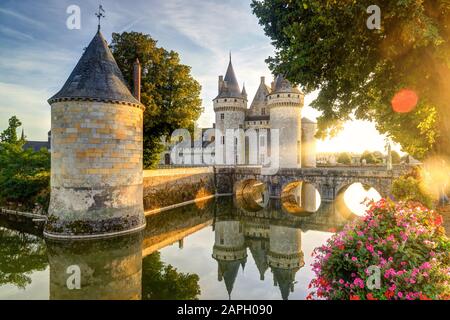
404, 241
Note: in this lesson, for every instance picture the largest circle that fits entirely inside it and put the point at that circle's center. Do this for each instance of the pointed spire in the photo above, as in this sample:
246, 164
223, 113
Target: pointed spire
22, 137
244, 92
230, 89
283, 85
96, 77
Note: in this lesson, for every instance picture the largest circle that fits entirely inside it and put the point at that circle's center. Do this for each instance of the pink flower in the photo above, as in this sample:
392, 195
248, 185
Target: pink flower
400, 294
354, 259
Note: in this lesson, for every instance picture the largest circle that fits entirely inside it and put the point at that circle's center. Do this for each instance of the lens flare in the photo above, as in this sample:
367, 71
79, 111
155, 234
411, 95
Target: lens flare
404, 101
435, 176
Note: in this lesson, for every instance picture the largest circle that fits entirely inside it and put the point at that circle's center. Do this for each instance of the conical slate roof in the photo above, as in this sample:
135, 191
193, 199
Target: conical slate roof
260, 96
282, 85
96, 77
231, 86
229, 271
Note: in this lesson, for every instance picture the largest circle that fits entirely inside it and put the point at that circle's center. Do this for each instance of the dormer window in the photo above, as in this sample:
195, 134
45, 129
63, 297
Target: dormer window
263, 111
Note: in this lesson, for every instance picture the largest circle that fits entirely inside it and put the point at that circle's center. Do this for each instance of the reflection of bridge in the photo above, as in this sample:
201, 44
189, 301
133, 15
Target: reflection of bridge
328, 181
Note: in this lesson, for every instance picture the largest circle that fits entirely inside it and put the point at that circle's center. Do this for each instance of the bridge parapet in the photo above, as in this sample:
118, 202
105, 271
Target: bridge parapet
328, 181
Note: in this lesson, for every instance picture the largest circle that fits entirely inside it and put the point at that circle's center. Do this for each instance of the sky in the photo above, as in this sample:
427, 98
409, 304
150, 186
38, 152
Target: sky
38, 52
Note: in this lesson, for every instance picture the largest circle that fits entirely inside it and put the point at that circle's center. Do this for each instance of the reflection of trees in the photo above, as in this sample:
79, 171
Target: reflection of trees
20, 255
164, 282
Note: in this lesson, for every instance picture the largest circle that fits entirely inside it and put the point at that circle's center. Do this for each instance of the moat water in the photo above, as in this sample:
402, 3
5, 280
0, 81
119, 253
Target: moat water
219, 249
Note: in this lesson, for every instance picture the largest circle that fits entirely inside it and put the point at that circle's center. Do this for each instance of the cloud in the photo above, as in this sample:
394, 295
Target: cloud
29, 105
14, 33
23, 18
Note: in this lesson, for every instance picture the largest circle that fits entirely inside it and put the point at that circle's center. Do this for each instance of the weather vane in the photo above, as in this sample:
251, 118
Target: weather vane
100, 15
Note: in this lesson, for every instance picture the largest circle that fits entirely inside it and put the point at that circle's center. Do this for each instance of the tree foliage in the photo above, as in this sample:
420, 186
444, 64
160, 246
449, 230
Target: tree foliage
24, 173
344, 158
326, 45
168, 90
20, 255
164, 282
9, 135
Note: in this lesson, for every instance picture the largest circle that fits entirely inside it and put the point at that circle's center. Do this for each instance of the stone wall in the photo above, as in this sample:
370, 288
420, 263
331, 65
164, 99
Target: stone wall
96, 177
169, 187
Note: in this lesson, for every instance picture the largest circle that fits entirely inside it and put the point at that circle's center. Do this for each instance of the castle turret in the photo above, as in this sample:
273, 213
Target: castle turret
285, 257
229, 251
96, 151
285, 103
308, 143
229, 106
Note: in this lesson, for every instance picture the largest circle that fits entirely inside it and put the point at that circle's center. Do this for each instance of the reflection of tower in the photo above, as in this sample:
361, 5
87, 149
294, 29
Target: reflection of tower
285, 257
108, 269
229, 251
257, 240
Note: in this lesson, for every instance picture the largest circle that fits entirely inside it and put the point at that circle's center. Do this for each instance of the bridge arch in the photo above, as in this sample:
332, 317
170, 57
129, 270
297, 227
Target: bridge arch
300, 198
251, 194
350, 197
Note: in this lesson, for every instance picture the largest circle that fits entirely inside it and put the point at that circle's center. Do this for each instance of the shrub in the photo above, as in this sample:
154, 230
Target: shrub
406, 241
344, 158
407, 188
24, 177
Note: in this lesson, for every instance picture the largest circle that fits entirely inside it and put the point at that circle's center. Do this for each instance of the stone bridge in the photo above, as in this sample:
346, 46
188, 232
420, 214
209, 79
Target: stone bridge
328, 181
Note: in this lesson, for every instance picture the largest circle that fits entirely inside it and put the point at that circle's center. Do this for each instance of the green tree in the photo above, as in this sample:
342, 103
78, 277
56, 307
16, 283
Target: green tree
326, 45
24, 176
164, 282
369, 157
344, 158
9, 135
168, 90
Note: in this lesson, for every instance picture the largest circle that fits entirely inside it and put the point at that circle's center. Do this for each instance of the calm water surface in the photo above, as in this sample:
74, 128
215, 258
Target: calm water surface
220, 249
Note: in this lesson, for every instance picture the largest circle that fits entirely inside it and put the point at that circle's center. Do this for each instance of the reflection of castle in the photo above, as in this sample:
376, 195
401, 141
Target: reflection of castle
271, 246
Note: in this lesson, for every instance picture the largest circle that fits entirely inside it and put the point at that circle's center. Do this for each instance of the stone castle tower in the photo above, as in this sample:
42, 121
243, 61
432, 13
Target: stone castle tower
96, 150
276, 107
230, 106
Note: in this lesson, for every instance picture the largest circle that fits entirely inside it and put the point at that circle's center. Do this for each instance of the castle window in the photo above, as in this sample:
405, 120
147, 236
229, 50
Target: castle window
241, 126
225, 100
278, 95
222, 139
289, 95
260, 122
222, 116
235, 100
217, 100
263, 111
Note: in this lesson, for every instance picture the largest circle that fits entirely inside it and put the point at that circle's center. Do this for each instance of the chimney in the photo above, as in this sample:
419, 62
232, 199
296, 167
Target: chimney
137, 80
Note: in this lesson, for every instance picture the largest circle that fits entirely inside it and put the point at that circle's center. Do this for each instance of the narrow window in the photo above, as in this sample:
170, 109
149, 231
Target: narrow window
263, 111
222, 116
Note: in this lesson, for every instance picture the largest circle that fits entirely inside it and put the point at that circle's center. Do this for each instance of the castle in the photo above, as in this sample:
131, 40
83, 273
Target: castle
250, 132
